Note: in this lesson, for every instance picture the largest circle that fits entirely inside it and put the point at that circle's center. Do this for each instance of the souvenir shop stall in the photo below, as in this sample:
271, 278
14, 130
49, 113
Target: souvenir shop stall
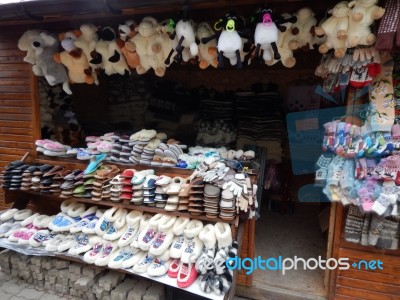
139, 140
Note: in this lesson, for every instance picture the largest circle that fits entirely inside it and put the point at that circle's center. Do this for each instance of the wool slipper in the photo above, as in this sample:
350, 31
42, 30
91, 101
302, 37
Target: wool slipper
179, 240
207, 236
223, 234
16, 226
150, 233
207, 282
83, 243
64, 225
67, 243
118, 227
105, 221
223, 281
38, 237
91, 256
8, 215
41, 220
119, 256
133, 223
21, 215
90, 228
165, 236
108, 250
144, 221
66, 205
174, 268
160, 265
29, 220
143, 264
193, 245
25, 235
53, 244
55, 219
186, 276
4, 228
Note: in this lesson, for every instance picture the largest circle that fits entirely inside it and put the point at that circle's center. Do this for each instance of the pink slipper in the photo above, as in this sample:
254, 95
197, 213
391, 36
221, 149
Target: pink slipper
186, 276
54, 146
173, 269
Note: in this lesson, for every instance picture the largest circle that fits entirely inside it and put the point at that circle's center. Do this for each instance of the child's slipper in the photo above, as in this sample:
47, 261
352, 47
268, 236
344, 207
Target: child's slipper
150, 233
178, 244
186, 275
133, 224
38, 237
108, 250
8, 215
82, 244
135, 256
67, 243
53, 244
193, 244
142, 265
165, 236
91, 256
173, 269
120, 255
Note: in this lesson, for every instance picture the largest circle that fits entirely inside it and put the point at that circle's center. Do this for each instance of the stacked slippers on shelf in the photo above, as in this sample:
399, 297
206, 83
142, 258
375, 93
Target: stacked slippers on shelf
140, 243
51, 148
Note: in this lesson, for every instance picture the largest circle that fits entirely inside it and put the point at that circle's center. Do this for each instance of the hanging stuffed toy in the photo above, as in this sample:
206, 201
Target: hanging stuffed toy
87, 42
43, 46
266, 36
126, 32
185, 34
335, 29
303, 29
362, 15
24, 44
108, 54
73, 58
230, 42
148, 44
207, 52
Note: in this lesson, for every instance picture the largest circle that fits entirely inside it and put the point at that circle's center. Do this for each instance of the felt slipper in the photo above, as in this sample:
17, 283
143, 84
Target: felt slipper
67, 243
187, 275
179, 240
38, 237
193, 244
165, 236
163, 180
53, 171
53, 244
118, 227
91, 256
142, 265
106, 219
150, 233
171, 207
150, 181
9, 214
160, 265
20, 215
82, 244
119, 256
63, 225
223, 234
29, 220
108, 250
175, 186
133, 223
76, 209
95, 161
91, 227
169, 162
135, 256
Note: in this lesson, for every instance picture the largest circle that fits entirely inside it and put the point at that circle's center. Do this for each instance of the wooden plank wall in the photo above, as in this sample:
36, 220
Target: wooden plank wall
363, 284
17, 116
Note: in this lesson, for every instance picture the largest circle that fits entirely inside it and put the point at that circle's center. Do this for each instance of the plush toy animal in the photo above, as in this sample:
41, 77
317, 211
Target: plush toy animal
266, 36
335, 29
44, 46
73, 58
230, 42
24, 44
363, 13
303, 29
126, 32
207, 52
148, 44
87, 42
284, 23
108, 53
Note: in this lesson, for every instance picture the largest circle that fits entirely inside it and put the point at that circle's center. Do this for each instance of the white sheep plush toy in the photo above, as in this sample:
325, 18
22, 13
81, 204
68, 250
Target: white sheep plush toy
266, 36
335, 28
363, 13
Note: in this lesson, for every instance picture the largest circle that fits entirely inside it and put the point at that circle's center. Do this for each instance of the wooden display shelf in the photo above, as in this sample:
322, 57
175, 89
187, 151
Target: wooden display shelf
15, 195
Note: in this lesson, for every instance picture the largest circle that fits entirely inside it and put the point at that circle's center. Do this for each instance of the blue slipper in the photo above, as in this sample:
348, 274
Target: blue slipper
95, 161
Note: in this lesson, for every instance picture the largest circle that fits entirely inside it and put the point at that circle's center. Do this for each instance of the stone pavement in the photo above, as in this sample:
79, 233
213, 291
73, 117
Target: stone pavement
12, 288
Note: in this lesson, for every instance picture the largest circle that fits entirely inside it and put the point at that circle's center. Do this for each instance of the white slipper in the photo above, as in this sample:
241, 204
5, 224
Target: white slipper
16, 227
223, 234
5, 228
64, 225
193, 244
55, 219
90, 227
132, 259
207, 235
65, 205
165, 236
38, 221
120, 255
177, 245
133, 224
160, 265
53, 244
46, 221
26, 235
150, 233
38, 237
8, 215
83, 243
21, 215
90, 212
108, 250
118, 227
67, 243
144, 221
142, 265
76, 210
49, 238
105, 221
91, 256
29, 220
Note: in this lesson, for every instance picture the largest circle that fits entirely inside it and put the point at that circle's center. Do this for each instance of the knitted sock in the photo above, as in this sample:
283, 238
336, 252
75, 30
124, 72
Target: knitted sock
327, 136
355, 142
388, 26
381, 99
375, 229
367, 201
367, 141
365, 229
321, 166
371, 164
353, 225
339, 136
387, 198
388, 235
344, 141
347, 177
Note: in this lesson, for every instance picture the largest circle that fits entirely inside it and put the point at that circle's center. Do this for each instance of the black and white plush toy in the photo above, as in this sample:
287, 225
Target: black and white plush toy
266, 36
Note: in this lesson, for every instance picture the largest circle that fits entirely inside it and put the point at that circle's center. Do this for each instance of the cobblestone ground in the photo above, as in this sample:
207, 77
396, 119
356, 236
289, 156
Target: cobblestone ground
12, 288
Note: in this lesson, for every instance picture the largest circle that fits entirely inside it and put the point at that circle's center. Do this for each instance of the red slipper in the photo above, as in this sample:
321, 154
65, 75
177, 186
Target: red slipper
174, 268
186, 275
